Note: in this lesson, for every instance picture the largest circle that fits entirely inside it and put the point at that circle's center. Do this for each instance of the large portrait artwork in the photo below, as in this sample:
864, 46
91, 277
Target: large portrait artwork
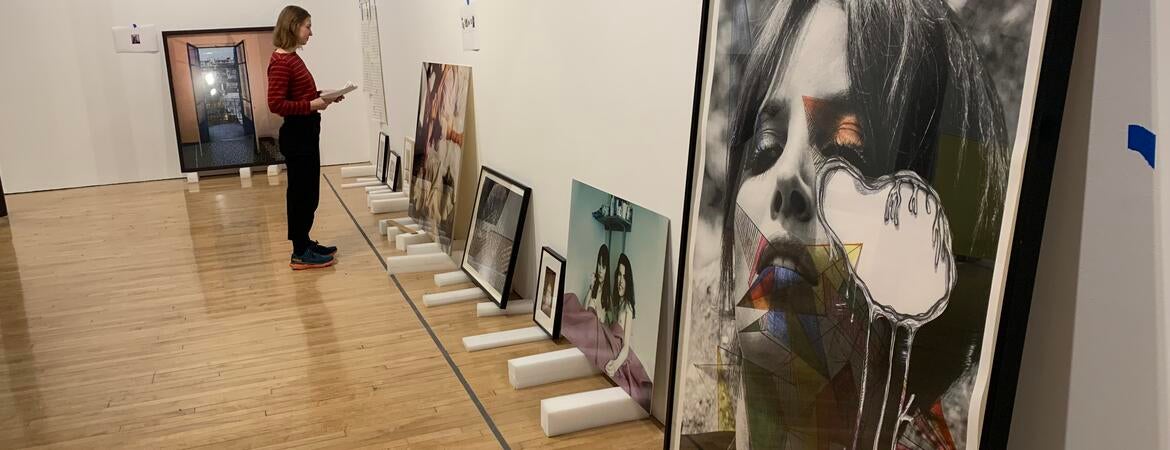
438, 149
843, 267
613, 288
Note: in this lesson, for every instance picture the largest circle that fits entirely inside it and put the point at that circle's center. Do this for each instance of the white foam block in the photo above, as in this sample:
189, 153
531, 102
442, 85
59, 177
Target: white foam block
450, 278
383, 225
357, 171
377, 188
273, 170
406, 221
383, 196
404, 239
419, 263
550, 367
503, 338
245, 172
389, 205
515, 308
423, 249
447, 298
193, 177
387, 194
585, 410
392, 235
358, 184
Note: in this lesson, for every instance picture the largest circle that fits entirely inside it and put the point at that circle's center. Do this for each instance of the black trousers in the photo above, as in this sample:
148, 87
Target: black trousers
300, 143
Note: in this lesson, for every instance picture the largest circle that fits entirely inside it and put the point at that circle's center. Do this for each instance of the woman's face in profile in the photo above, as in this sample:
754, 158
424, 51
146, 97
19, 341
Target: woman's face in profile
305, 31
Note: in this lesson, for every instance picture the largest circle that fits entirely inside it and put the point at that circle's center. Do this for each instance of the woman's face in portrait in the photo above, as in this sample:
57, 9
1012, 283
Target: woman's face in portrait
620, 280
803, 118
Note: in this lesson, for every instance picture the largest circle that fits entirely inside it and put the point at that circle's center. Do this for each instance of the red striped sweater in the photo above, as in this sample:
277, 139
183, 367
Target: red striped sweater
290, 85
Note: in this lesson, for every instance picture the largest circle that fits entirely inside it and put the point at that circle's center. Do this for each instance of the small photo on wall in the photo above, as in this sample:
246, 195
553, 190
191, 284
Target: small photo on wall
550, 290
493, 242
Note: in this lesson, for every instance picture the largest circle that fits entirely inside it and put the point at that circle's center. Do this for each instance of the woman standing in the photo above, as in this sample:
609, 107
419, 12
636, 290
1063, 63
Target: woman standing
293, 94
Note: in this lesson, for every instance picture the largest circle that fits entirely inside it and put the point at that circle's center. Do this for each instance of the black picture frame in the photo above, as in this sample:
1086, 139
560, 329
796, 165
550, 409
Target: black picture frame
558, 302
380, 163
183, 168
1026, 240
500, 298
392, 179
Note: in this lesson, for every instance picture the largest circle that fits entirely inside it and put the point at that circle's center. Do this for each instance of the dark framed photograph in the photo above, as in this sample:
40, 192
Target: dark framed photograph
213, 75
865, 203
388, 164
550, 292
493, 241
380, 158
393, 175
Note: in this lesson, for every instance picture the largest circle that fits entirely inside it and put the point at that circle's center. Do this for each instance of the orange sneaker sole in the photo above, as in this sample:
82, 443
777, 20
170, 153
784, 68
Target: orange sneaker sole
303, 266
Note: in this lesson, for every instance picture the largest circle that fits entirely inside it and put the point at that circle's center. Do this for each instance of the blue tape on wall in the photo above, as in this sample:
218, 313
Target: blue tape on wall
1143, 141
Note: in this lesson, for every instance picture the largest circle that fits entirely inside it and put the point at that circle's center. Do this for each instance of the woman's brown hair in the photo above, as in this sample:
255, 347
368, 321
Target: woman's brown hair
287, 24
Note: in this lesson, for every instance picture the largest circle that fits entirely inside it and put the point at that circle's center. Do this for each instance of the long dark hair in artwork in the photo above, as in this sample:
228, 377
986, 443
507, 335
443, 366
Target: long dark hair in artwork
619, 301
601, 287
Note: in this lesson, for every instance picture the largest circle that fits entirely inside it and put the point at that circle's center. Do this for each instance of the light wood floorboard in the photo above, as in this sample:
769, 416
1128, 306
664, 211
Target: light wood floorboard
164, 315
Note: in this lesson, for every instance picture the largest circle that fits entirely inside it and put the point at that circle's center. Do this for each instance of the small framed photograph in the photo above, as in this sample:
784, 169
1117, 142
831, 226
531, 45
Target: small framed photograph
380, 162
550, 290
393, 174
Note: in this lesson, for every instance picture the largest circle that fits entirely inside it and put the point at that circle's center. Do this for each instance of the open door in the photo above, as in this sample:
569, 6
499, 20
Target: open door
199, 86
246, 95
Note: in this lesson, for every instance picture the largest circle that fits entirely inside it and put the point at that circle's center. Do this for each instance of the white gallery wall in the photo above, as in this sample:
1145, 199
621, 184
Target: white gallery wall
76, 113
600, 91
1094, 370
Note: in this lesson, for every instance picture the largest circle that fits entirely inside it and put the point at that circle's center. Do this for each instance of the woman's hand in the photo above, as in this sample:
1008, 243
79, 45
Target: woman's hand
318, 104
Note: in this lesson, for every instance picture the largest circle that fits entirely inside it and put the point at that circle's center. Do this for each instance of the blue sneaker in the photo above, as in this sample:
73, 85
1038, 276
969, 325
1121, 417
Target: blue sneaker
310, 260
322, 249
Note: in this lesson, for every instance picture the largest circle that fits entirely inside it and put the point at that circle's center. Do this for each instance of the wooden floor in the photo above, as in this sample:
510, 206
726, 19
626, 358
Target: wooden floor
164, 315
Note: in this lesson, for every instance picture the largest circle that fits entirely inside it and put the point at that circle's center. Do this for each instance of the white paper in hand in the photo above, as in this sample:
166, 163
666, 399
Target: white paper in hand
333, 94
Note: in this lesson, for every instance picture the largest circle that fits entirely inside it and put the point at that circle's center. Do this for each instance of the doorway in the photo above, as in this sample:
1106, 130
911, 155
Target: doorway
223, 106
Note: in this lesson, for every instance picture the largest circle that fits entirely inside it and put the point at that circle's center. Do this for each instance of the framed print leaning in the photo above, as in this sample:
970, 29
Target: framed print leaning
387, 166
493, 242
613, 287
550, 290
862, 173
380, 157
438, 149
214, 77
